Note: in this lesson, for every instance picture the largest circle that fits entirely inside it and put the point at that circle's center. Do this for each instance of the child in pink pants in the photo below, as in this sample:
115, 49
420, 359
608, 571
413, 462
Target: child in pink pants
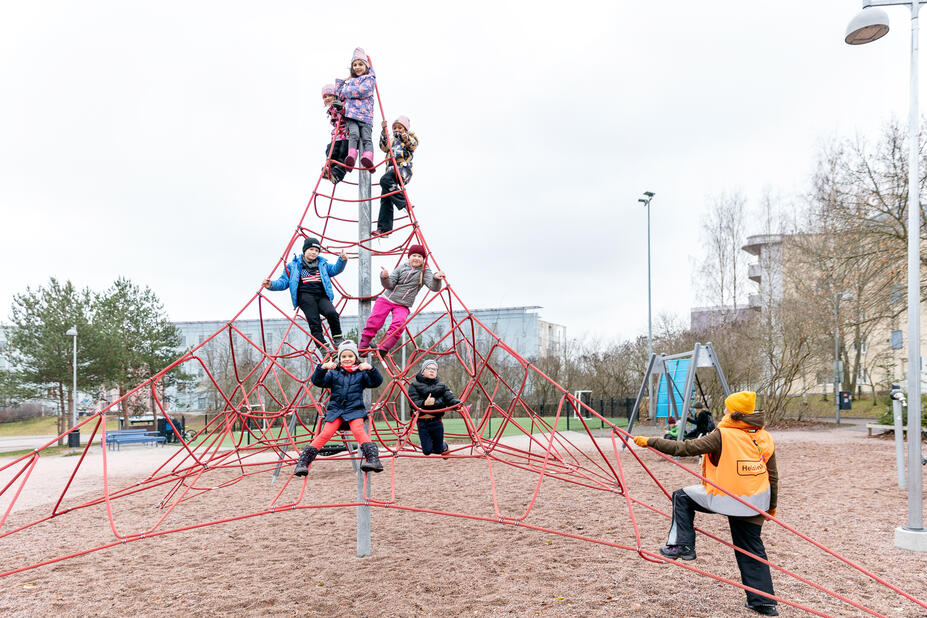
401, 285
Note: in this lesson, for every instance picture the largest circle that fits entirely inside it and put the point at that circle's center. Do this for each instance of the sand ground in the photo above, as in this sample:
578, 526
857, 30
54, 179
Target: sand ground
837, 486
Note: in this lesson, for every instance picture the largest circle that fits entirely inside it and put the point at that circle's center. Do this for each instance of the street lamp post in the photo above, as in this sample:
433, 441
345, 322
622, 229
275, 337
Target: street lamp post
837, 297
72, 332
871, 24
646, 201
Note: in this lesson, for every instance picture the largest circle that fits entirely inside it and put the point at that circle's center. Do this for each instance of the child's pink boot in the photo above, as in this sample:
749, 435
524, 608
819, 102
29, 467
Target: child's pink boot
351, 158
366, 159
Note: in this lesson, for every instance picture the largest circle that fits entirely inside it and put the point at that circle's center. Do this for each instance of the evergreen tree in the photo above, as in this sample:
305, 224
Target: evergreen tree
39, 351
138, 338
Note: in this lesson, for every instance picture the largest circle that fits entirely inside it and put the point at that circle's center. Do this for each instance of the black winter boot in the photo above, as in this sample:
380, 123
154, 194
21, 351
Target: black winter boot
305, 458
371, 457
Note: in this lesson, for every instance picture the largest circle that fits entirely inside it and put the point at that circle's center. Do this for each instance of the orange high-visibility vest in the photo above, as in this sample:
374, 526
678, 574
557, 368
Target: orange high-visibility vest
741, 470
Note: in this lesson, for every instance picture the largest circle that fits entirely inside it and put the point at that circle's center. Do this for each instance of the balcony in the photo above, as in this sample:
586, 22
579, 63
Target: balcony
755, 272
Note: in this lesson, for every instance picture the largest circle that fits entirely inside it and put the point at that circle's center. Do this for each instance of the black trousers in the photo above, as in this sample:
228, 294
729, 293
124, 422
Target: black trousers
744, 534
339, 152
389, 183
313, 307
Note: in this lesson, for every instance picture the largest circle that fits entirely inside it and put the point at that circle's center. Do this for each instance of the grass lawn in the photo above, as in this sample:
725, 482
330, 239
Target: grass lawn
45, 426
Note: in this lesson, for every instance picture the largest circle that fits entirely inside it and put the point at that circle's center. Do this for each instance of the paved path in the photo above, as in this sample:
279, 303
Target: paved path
21, 443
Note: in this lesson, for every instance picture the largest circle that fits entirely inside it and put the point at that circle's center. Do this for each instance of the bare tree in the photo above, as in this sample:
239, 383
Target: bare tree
722, 270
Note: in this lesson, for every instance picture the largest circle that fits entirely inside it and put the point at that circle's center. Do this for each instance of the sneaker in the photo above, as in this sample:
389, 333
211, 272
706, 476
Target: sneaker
763, 610
376, 233
678, 551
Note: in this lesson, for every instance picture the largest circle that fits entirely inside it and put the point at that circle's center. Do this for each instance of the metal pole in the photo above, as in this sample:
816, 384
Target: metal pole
402, 400
899, 439
915, 489
363, 312
646, 201
74, 384
837, 357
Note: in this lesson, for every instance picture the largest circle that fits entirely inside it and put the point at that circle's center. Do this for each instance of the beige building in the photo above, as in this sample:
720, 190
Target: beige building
883, 353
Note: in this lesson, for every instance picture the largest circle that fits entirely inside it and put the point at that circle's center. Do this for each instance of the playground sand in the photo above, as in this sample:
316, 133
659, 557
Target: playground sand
840, 491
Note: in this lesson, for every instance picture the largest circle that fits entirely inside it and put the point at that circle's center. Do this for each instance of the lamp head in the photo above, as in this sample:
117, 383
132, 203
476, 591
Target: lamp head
649, 193
869, 25
643, 201
72, 332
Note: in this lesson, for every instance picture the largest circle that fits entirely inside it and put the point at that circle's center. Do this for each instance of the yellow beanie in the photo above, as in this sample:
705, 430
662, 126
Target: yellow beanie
743, 402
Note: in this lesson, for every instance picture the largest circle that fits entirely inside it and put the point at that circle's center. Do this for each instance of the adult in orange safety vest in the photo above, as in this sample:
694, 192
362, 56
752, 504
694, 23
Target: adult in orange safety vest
739, 456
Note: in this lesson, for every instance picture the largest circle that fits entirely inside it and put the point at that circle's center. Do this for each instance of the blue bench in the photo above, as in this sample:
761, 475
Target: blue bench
115, 439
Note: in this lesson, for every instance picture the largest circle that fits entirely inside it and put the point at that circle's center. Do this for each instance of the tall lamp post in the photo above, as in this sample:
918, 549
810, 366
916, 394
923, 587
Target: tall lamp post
72, 332
648, 195
871, 24
837, 298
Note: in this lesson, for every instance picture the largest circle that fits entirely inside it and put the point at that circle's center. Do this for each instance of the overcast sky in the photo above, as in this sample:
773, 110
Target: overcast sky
176, 143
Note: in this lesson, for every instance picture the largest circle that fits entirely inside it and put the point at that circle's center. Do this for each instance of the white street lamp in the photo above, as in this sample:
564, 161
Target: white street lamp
869, 25
72, 332
837, 298
650, 407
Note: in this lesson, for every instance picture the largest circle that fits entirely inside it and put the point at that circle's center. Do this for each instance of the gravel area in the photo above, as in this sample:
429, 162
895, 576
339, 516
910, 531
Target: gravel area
836, 486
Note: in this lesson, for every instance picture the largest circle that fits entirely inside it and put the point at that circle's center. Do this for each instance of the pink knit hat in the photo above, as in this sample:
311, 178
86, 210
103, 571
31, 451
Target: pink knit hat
404, 121
328, 89
360, 55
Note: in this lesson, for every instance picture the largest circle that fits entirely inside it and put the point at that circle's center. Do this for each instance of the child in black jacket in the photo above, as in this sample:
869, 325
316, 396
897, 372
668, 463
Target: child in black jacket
432, 398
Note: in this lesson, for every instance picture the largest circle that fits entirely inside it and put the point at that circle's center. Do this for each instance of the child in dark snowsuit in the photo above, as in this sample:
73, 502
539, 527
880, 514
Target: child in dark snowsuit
337, 149
402, 285
347, 380
357, 92
309, 278
404, 144
431, 397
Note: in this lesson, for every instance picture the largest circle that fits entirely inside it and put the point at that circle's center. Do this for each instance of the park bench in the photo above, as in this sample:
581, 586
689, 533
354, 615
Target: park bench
870, 427
115, 439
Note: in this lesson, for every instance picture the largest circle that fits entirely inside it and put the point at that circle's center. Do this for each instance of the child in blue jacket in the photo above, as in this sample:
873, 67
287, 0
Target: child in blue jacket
347, 380
308, 276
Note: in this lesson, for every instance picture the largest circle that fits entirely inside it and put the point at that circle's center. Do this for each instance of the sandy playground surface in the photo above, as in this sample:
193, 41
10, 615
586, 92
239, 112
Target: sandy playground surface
837, 486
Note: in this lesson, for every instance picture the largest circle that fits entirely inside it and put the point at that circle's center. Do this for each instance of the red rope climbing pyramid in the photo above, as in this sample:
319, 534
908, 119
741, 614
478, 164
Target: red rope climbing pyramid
270, 411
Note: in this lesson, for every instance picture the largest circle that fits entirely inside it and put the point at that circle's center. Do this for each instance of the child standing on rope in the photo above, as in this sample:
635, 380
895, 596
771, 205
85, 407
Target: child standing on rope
308, 276
347, 380
431, 397
402, 286
357, 92
404, 143
740, 457
337, 149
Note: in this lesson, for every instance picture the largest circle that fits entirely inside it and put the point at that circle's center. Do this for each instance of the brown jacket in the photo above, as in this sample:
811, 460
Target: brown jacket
710, 446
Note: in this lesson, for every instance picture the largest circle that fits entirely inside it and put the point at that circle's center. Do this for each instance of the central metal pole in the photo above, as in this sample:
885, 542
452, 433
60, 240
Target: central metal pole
363, 312
915, 489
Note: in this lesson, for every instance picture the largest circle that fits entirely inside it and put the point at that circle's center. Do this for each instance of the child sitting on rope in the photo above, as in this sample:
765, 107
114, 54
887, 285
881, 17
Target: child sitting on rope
404, 144
309, 278
740, 457
337, 149
347, 380
357, 92
402, 286
431, 397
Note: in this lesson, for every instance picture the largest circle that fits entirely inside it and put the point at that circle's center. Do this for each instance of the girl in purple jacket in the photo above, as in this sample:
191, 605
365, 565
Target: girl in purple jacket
357, 92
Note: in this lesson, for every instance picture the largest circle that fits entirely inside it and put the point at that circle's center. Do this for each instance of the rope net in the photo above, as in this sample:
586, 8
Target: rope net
269, 411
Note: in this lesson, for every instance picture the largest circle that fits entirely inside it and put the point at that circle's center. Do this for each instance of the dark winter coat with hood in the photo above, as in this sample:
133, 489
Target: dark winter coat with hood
421, 387
347, 398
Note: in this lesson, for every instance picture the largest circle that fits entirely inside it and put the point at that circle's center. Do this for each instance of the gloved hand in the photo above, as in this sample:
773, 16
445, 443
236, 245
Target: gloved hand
772, 511
640, 440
